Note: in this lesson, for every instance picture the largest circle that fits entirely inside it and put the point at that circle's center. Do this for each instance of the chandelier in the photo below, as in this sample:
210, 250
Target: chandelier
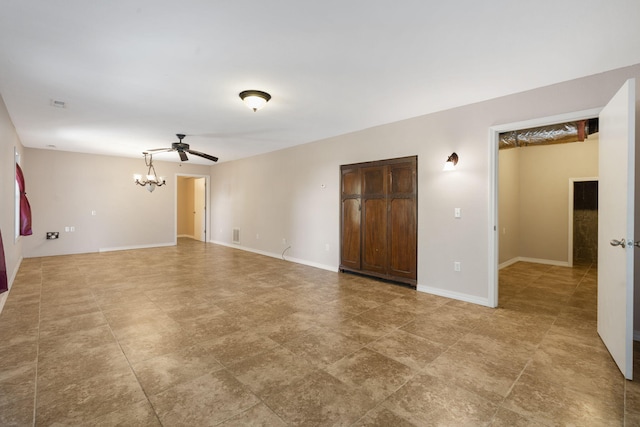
153, 180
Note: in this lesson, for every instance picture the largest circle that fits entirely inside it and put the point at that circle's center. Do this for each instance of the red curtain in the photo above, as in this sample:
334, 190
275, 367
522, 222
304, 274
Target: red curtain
4, 284
25, 207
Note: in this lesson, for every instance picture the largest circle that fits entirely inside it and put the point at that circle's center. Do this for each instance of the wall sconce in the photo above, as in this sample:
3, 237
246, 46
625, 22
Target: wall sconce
450, 164
255, 99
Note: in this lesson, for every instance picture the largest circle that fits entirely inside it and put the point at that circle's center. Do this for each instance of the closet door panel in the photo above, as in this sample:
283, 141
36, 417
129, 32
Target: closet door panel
374, 239
402, 238
351, 233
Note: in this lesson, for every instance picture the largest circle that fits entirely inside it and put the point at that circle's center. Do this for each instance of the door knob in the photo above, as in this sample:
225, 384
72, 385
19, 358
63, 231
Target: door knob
615, 242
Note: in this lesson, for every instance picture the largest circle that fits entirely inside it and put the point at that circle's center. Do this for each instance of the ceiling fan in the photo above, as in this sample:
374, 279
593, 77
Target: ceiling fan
182, 149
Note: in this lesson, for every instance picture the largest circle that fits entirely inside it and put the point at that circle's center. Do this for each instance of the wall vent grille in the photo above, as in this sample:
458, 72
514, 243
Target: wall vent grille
236, 235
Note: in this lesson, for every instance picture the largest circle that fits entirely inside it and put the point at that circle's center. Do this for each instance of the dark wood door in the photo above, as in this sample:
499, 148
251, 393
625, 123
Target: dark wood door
374, 219
402, 220
350, 219
379, 219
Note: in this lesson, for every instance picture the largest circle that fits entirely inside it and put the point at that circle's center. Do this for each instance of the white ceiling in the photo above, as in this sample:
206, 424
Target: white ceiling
135, 73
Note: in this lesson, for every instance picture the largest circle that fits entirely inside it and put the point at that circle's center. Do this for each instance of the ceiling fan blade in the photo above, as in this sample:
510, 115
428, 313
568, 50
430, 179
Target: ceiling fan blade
206, 156
158, 150
183, 156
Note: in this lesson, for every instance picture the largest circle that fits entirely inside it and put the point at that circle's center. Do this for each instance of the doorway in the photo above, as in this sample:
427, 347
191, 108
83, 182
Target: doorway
192, 207
495, 232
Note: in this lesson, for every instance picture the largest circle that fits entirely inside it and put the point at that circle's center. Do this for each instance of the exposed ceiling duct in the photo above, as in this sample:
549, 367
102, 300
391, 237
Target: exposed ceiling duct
552, 134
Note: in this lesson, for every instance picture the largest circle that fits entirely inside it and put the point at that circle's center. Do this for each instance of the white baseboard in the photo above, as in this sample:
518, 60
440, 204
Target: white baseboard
186, 235
276, 255
508, 263
127, 248
454, 295
535, 261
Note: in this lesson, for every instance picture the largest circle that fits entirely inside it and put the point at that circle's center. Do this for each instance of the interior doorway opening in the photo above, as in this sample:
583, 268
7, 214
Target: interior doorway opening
192, 207
502, 231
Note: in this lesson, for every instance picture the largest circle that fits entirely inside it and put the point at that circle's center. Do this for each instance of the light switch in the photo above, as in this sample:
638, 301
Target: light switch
456, 213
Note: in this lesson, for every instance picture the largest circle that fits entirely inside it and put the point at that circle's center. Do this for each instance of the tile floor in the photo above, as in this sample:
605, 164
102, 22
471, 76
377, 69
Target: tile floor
201, 334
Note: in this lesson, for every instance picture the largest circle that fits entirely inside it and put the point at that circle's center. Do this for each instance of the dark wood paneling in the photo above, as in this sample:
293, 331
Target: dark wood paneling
385, 194
350, 251
402, 238
374, 242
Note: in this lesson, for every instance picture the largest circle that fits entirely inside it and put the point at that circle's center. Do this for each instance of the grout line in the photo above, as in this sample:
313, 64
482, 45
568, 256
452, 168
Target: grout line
126, 358
35, 383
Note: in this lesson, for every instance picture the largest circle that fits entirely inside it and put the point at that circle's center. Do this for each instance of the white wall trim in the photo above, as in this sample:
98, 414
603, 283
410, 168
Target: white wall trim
508, 263
494, 132
276, 255
535, 261
455, 295
128, 248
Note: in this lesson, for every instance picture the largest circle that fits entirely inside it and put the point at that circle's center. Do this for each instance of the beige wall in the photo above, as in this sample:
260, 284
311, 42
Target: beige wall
280, 195
534, 199
8, 143
66, 187
544, 195
185, 206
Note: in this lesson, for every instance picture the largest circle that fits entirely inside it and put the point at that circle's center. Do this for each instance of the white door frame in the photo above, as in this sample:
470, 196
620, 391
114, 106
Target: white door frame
494, 135
207, 219
572, 181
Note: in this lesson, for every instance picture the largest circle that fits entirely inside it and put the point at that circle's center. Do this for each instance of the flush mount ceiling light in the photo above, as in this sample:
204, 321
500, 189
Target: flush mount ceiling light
255, 99
451, 162
153, 180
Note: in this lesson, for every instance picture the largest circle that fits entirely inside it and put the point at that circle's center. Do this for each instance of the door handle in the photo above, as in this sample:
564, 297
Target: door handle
615, 242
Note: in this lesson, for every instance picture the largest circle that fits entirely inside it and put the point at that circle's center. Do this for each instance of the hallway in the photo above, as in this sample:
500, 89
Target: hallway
200, 334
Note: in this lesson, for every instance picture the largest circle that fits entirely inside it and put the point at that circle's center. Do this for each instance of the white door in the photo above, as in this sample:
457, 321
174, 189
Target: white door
615, 226
199, 209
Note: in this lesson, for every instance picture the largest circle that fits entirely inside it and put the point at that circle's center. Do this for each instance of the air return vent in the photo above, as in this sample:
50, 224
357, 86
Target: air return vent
236, 235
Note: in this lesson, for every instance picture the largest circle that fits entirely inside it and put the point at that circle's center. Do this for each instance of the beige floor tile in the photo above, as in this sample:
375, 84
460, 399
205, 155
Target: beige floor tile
235, 347
427, 400
218, 335
362, 330
87, 399
382, 417
561, 405
507, 418
411, 350
321, 346
486, 375
271, 371
139, 414
161, 372
55, 373
17, 412
372, 373
205, 400
258, 416
319, 399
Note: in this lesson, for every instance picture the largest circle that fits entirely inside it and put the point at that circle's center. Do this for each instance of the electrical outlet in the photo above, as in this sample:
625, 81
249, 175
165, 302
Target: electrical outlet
456, 266
457, 213
326, 247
